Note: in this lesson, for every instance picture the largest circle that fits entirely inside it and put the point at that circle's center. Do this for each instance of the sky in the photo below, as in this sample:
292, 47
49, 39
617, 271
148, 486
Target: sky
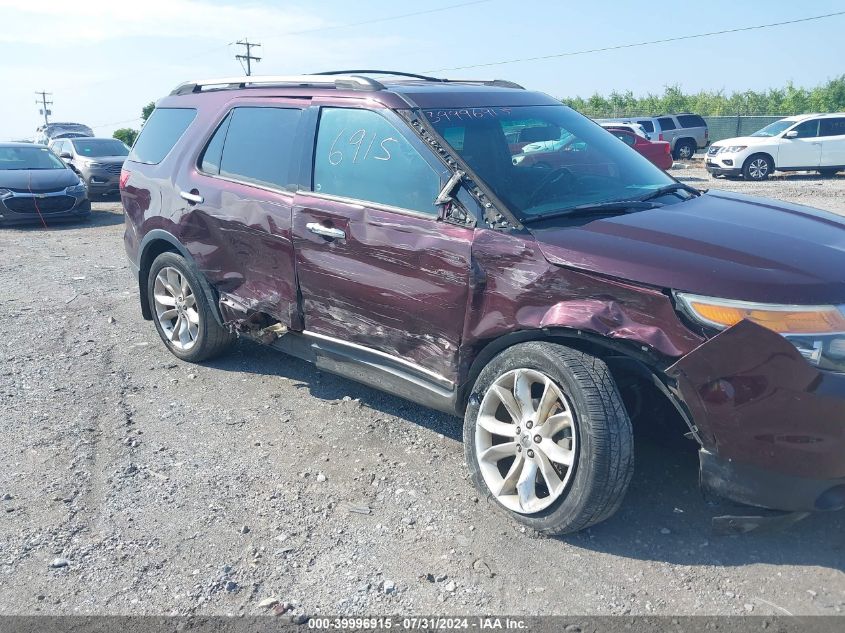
103, 60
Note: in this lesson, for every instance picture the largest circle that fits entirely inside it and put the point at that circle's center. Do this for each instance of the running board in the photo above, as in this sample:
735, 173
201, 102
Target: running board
372, 368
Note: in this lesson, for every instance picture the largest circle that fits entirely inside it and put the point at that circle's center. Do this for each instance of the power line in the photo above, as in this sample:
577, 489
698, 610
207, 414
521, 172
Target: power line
249, 57
637, 44
44, 103
387, 18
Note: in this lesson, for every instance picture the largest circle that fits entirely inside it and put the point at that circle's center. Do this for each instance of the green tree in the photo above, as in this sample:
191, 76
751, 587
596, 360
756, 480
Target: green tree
126, 134
147, 110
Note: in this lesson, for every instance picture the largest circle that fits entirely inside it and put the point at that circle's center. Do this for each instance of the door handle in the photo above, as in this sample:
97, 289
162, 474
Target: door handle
326, 231
192, 197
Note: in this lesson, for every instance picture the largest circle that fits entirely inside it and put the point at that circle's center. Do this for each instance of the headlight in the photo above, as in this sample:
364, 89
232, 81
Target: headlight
518, 159
818, 332
94, 165
733, 149
76, 189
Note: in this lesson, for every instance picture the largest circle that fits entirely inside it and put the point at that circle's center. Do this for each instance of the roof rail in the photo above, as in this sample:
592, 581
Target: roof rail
346, 82
501, 83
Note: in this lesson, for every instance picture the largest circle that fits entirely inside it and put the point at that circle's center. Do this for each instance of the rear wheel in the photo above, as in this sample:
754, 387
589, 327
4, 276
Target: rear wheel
758, 167
181, 313
547, 438
684, 150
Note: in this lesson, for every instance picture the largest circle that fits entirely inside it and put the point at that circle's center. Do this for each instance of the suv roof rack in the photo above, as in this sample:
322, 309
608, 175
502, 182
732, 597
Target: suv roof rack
501, 83
346, 82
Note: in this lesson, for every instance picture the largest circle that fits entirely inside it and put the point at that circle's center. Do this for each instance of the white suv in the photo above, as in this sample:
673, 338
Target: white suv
807, 142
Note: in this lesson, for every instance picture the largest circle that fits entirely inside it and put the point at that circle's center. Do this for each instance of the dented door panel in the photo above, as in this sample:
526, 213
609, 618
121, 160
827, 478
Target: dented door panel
757, 401
396, 283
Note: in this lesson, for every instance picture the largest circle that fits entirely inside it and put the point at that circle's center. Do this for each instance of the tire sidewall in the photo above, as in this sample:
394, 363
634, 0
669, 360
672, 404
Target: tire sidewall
746, 167
571, 503
178, 262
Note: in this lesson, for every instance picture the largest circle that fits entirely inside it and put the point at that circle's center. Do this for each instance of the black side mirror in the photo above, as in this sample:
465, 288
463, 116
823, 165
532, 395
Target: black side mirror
66, 155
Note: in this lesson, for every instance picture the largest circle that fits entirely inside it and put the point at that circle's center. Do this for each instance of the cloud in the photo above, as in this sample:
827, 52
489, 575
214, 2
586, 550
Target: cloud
54, 22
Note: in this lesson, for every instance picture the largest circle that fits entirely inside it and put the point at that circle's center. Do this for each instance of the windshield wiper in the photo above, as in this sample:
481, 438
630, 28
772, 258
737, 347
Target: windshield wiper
675, 186
600, 208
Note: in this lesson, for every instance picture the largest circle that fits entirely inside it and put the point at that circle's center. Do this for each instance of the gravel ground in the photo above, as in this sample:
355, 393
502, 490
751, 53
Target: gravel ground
133, 483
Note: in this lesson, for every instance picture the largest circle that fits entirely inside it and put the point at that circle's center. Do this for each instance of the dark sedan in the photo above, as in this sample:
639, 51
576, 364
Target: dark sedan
37, 187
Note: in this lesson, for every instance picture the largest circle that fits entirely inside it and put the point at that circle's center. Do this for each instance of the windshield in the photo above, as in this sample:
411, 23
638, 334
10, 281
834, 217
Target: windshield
29, 158
571, 161
773, 129
100, 147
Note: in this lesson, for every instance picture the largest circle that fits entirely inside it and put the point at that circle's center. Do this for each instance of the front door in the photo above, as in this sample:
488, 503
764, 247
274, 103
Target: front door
804, 150
377, 268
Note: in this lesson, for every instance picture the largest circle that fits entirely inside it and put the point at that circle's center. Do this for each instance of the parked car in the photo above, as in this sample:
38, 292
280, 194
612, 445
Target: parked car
658, 152
36, 187
636, 128
807, 142
51, 131
98, 161
383, 232
685, 132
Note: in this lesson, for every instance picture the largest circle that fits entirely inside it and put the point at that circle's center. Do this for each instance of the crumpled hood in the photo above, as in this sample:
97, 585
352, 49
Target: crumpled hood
37, 178
719, 244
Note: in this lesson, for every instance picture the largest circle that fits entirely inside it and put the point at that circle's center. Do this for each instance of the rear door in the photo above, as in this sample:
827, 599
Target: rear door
378, 270
832, 137
805, 150
237, 196
668, 129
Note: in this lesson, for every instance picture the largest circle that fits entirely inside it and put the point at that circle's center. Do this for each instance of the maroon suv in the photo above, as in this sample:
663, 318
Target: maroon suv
383, 231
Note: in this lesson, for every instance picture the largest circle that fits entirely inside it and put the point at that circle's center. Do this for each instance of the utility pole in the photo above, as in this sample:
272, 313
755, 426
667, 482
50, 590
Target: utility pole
249, 57
44, 103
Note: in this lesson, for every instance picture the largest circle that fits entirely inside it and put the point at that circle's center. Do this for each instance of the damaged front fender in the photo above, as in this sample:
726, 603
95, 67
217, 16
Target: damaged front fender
772, 426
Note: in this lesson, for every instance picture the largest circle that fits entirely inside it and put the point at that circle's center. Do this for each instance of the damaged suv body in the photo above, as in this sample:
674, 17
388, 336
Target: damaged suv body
384, 231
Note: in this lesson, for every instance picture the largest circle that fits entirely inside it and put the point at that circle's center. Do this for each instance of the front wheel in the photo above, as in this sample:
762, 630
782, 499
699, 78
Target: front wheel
758, 167
181, 313
547, 438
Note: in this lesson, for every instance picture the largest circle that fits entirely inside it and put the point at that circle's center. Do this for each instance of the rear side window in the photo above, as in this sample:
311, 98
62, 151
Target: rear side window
691, 120
666, 123
832, 127
258, 146
210, 161
648, 126
361, 155
160, 133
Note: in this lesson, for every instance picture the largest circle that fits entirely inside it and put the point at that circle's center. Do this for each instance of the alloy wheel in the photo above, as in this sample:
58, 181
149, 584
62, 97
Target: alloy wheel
176, 308
758, 168
525, 440
685, 152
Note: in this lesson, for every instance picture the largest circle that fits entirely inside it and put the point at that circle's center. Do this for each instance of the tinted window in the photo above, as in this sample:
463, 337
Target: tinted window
160, 133
361, 155
807, 129
691, 120
648, 126
832, 127
100, 147
666, 123
259, 144
210, 161
625, 137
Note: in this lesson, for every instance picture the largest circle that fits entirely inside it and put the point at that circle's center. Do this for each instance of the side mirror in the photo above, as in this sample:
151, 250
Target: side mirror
791, 134
66, 156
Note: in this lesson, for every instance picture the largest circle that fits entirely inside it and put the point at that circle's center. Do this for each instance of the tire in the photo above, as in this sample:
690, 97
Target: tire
758, 167
192, 334
828, 173
684, 150
592, 455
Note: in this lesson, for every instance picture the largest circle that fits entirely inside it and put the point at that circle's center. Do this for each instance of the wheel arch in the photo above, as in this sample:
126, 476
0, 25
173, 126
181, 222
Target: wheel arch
155, 243
766, 154
622, 357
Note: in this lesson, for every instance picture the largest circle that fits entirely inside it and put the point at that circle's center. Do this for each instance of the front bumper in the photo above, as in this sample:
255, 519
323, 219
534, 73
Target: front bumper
715, 164
771, 425
101, 180
24, 208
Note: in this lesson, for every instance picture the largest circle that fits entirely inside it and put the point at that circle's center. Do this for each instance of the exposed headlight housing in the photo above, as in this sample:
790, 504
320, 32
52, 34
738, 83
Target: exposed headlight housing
818, 332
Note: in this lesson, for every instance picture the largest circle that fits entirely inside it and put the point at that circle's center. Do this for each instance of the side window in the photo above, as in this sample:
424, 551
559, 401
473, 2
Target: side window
691, 120
648, 126
160, 133
210, 159
625, 137
360, 155
807, 129
666, 123
832, 127
259, 145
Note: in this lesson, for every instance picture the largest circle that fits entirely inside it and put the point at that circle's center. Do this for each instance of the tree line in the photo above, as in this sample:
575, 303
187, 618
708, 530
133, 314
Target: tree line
828, 97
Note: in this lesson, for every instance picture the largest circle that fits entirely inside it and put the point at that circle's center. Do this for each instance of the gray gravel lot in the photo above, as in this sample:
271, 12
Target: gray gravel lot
133, 483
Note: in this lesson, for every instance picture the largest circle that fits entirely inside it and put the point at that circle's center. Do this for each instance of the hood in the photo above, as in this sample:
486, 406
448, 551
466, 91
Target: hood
719, 244
744, 140
37, 179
